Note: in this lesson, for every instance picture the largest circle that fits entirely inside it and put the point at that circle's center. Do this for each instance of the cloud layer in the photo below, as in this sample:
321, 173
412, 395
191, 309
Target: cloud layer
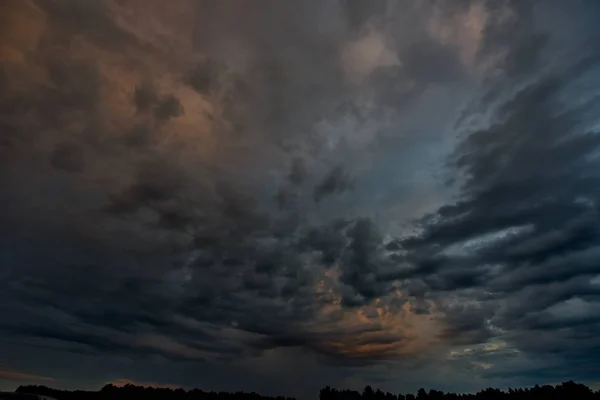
360, 188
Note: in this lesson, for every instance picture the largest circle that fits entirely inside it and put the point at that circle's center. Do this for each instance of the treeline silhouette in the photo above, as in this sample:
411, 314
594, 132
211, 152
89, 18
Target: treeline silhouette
564, 391
133, 392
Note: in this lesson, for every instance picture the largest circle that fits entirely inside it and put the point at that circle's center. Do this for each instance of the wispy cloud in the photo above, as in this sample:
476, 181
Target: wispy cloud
22, 376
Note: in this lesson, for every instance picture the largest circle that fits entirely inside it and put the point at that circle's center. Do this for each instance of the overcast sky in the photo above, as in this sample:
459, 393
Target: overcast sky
282, 195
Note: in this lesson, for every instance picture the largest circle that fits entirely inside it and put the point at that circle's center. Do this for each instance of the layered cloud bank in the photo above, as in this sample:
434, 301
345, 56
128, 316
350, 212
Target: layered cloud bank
295, 194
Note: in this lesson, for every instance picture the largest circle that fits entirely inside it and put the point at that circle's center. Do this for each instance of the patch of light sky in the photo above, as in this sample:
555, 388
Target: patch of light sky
474, 244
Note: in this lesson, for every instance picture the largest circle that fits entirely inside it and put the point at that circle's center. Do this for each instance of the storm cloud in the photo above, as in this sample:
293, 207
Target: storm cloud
404, 190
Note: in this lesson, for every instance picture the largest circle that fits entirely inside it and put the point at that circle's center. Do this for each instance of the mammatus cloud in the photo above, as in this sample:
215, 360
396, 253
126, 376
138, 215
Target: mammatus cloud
187, 203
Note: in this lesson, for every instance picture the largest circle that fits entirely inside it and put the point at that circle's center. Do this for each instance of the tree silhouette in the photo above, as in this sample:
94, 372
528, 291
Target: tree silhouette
132, 392
564, 391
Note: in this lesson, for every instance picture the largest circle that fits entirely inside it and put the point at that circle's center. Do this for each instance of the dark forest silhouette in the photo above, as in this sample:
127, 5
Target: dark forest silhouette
133, 392
563, 391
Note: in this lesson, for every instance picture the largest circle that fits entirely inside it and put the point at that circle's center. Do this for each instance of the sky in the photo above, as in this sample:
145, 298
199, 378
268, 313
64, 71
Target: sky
275, 196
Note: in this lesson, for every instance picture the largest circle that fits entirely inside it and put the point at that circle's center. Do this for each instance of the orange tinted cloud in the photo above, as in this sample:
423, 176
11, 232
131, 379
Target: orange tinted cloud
22, 376
372, 332
21, 24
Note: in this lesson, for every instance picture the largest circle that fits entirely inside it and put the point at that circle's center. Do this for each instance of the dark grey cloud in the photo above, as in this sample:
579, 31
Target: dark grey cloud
77, 83
519, 243
284, 197
68, 157
204, 78
93, 20
234, 203
168, 107
164, 107
329, 241
511, 32
334, 182
359, 12
140, 136
430, 61
145, 96
298, 172
362, 259
157, 182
